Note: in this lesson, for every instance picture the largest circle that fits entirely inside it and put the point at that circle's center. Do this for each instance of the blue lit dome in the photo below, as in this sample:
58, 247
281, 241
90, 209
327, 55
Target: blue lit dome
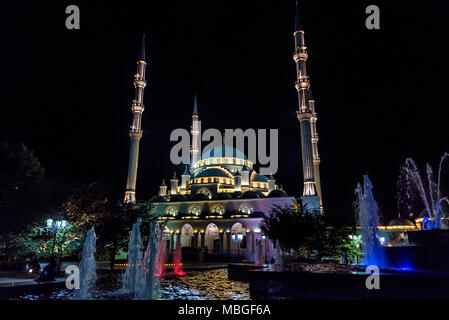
212, 172
260, 178
223, 151
277, 194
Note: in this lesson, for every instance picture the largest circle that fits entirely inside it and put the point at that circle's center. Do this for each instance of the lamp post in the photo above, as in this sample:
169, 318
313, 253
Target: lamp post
238, 238
55, 226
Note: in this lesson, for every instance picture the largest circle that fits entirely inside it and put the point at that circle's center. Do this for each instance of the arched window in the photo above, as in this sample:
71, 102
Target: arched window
194, 211
205, 191
171, 211
245, 209
218, 210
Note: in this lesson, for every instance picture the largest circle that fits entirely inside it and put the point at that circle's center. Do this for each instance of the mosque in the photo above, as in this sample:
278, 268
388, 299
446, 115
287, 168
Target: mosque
219, 201
217, 205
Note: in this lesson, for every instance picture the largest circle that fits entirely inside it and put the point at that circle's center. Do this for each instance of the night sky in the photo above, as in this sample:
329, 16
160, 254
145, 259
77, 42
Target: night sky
381, 95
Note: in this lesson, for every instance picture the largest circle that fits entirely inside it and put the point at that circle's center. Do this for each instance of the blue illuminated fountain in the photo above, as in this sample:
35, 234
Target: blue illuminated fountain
88, 267
369, 221
430, 193
130, 280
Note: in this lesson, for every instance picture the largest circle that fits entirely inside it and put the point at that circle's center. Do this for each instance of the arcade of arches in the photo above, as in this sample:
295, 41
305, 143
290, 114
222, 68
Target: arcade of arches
232, 238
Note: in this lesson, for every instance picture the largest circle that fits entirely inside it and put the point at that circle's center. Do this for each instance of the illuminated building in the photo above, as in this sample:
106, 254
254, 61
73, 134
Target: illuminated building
311, 195
219, 204
135, 132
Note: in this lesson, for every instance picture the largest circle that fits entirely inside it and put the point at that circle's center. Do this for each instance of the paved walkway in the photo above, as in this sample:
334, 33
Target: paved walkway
14, 279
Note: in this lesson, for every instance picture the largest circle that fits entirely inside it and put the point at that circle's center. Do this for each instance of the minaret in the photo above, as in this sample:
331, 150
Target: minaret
315, 153
309, 194
185, 178
271, 183
163, 189
245, 176
135, 132
194, 131
174, 184
237, 181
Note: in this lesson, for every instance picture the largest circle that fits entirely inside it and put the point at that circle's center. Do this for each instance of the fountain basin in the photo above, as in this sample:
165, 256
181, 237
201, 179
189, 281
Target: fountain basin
278, 284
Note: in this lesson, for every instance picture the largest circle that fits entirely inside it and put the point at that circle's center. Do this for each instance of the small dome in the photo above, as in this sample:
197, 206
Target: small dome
223, 196
236, 194
200, 196
158, 199
177, 197
260, 178
401, 222
213, 172
250, 195
223, 151
277, 194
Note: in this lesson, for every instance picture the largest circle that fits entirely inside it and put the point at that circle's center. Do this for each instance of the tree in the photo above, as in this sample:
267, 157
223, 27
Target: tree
23, 190
305, 233
114, 225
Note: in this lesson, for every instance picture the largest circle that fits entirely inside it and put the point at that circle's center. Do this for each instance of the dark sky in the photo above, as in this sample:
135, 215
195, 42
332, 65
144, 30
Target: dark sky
381, 94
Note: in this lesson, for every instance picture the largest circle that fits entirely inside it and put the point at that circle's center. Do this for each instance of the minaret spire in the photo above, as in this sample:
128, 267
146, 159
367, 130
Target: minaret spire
135, 132
315, 153
309, 195
195, 131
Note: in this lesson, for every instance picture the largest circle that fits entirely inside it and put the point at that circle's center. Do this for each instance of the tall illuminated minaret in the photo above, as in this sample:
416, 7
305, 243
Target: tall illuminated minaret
309, 195
194, 131
135, 132
315, 153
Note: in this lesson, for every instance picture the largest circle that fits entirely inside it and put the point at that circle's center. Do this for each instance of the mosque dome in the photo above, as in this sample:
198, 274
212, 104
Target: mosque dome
237, 194
158, 199
396, 222
177, 197
223, 196
212, 172
277, 194
200, 196
223, 151
252, 195
260, 178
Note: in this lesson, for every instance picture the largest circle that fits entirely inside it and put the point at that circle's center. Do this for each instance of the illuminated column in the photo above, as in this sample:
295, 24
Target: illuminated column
163, 189
174, 184
245, 176
228, 243
135, 132
271, 183
315, 153
195, 131
304, 113
185, 178
237, 182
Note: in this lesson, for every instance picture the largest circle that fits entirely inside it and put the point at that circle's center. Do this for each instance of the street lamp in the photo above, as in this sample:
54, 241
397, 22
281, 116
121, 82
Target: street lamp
55, 226
237, 238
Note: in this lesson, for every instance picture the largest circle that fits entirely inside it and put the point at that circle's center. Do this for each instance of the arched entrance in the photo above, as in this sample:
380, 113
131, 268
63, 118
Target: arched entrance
238, 238
186, 235
212, 238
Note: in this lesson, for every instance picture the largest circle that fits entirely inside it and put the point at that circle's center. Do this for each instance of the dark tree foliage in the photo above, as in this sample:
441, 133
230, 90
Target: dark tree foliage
115, 224
305, 233
23, 189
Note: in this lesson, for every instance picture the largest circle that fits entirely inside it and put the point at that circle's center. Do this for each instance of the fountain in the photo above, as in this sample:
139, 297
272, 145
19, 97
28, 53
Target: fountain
430, 196
259, 252
161, 258
130, 279
177, 257
369, 221
278, 260
88, 267
146, 288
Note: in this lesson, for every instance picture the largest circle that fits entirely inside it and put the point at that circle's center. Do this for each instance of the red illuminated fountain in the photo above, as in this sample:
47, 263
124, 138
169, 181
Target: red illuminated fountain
177, 257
